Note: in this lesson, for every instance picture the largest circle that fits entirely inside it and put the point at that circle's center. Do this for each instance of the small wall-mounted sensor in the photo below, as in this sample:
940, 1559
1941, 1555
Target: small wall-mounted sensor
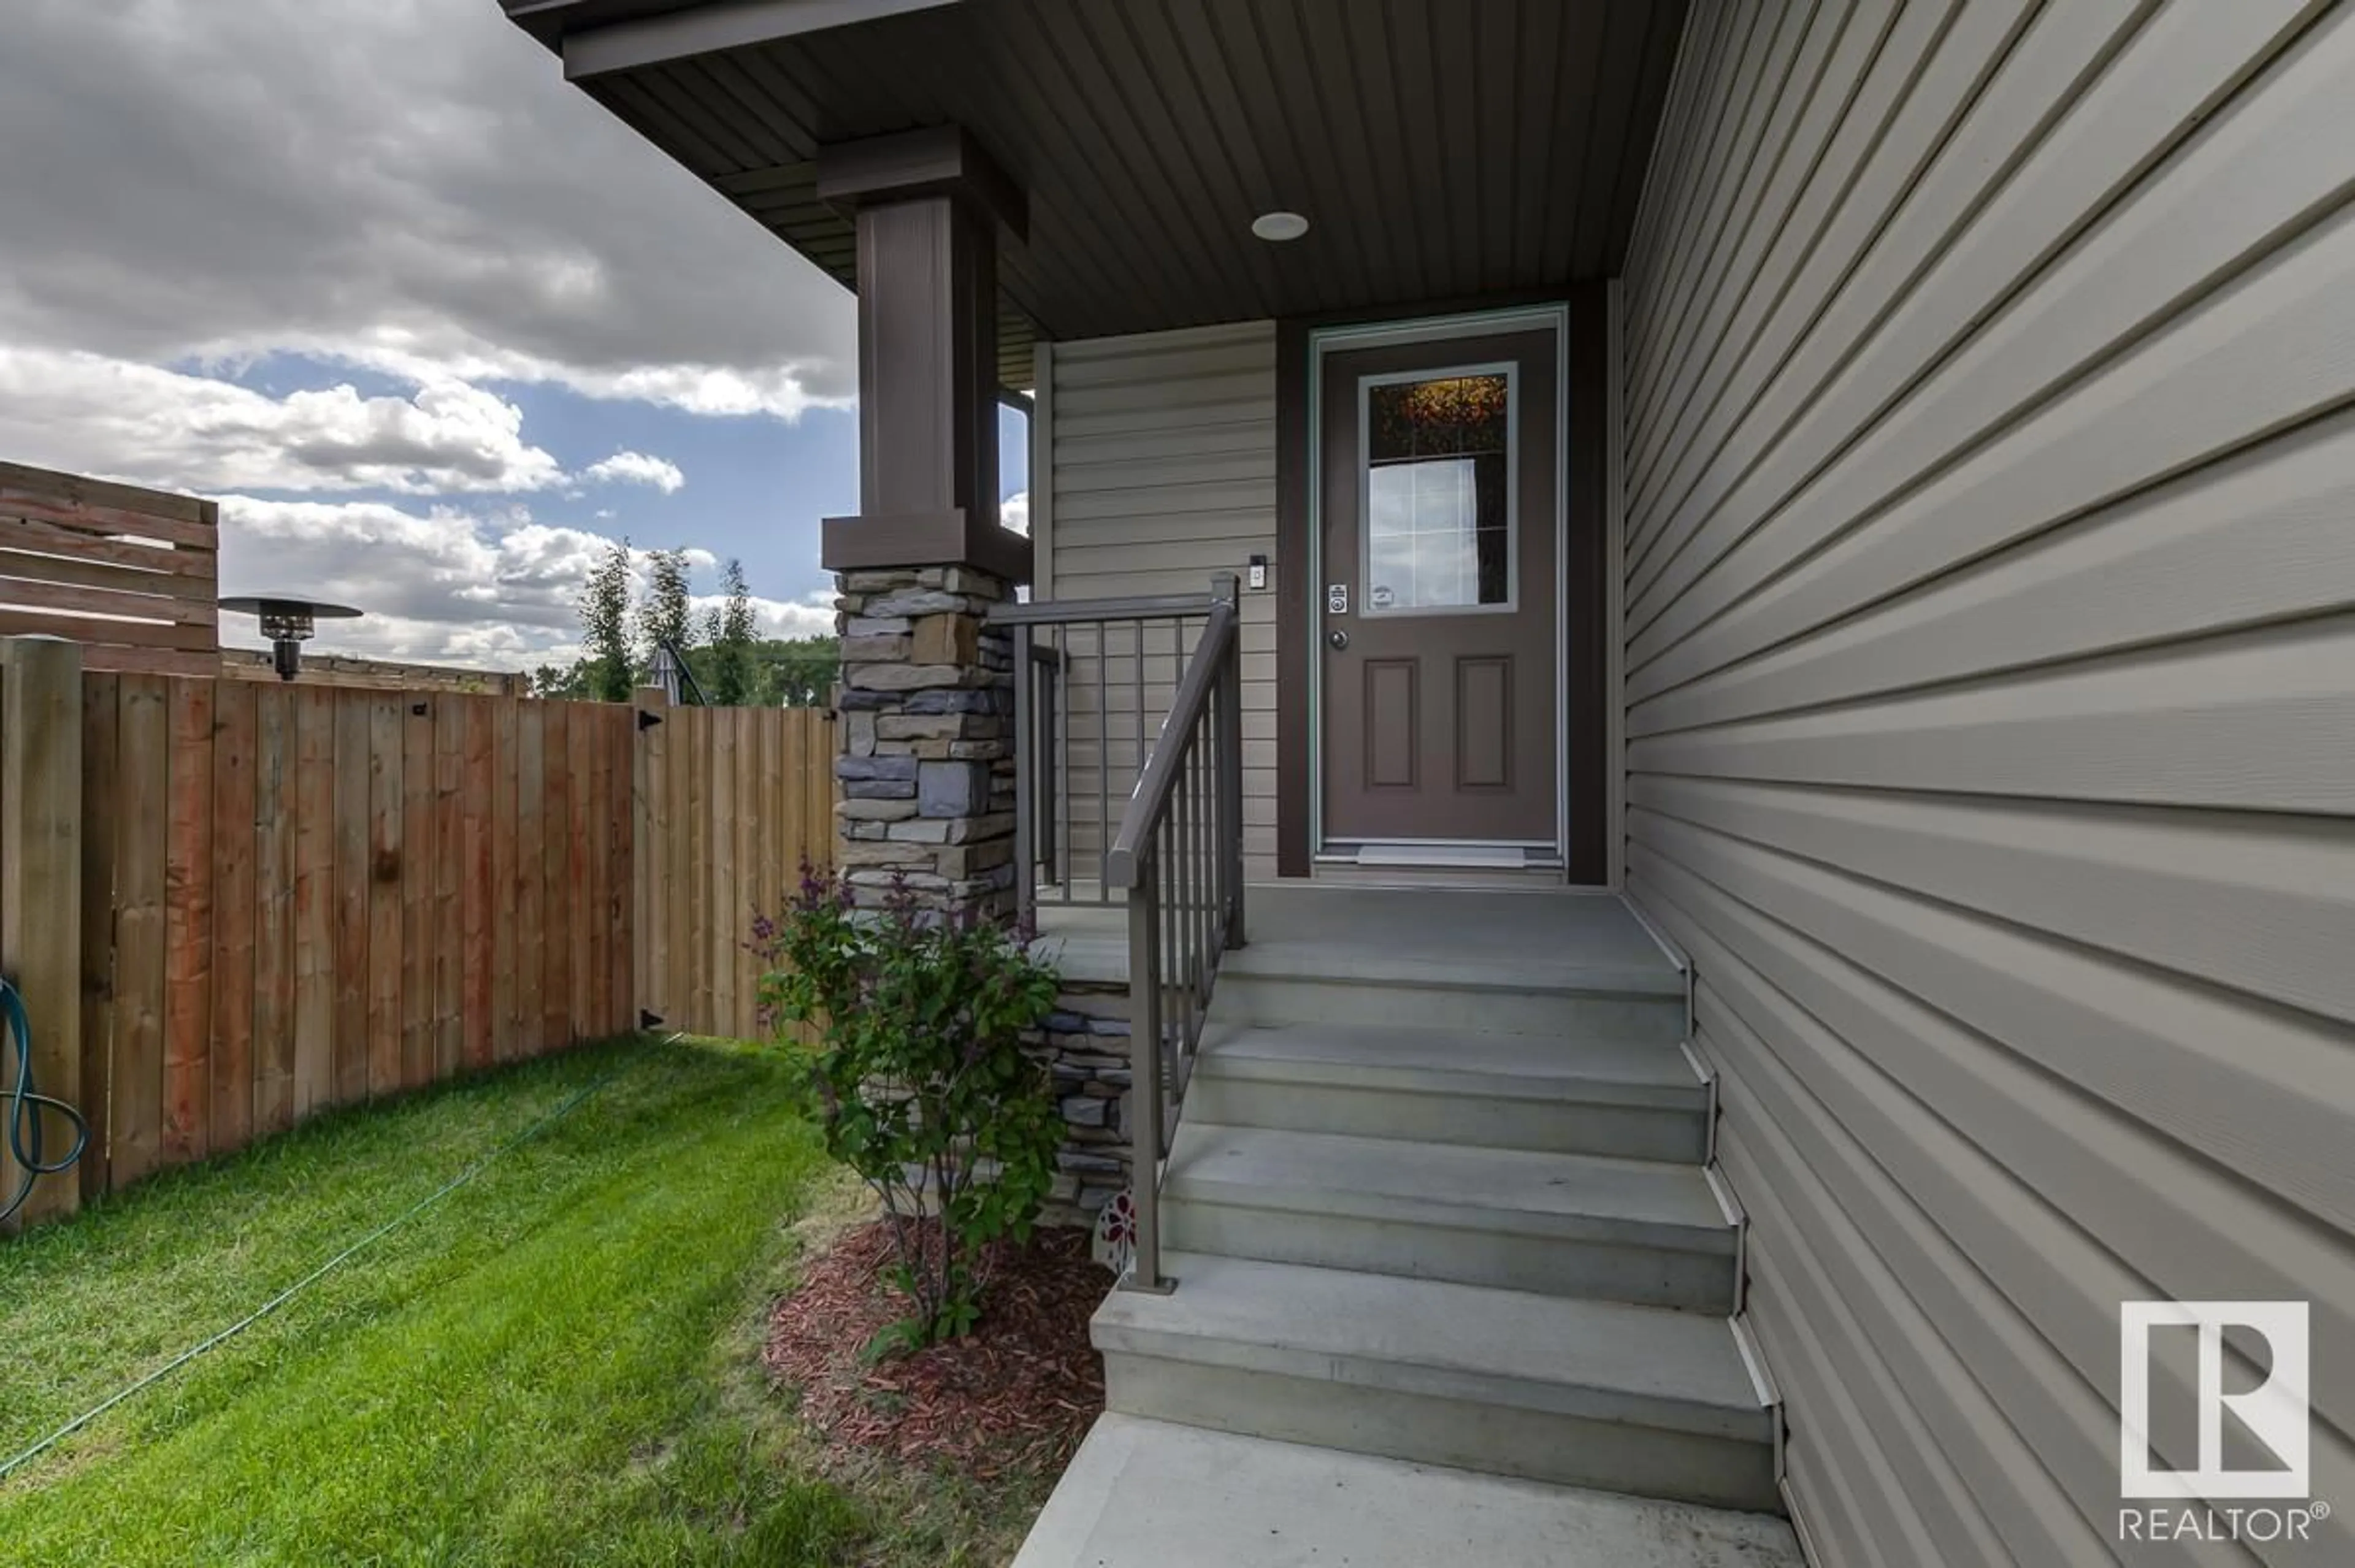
1256, 577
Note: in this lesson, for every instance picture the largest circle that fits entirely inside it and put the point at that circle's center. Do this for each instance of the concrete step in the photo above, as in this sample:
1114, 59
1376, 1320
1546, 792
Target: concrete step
1152, 1494
1614, 1229
1638, 1400
1326, 983
1641, 1100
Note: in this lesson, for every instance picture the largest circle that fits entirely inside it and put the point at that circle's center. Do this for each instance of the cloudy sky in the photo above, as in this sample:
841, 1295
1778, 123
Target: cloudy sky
429, 323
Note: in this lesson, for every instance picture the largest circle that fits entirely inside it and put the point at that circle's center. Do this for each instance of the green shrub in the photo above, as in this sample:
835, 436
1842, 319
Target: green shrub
919, 1077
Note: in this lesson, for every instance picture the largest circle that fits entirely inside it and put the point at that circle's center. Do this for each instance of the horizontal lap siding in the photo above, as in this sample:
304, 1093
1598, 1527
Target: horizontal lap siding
1990, 675
1163, 472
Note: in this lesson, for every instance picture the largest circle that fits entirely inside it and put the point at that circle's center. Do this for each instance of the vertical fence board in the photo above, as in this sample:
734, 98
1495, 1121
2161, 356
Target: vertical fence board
580, 803
420, 911
135, 1089
386, 875
656, 869
587, 975
189, 894
769, 831
101, 779
679, 891
314, 904
506, 1044
530, 875
230, 1063
273, 928
621, 839
724, 869
751, 812
556, 893
819, 741
475, 903
449, 883
354, 800
40, 875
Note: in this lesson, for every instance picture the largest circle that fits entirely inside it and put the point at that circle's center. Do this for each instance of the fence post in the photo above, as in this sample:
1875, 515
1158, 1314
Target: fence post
40, 882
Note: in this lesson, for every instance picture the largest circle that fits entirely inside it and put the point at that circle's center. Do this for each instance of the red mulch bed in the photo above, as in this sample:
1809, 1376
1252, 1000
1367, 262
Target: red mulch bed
1016, 1395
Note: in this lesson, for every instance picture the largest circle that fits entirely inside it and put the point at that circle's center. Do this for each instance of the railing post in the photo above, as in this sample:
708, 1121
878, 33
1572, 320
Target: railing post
1229, 750
1144, 1074
1026, 779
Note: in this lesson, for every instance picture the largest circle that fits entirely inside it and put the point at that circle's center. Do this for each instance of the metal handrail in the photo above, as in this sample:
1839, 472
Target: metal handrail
1178, 857
1063, 654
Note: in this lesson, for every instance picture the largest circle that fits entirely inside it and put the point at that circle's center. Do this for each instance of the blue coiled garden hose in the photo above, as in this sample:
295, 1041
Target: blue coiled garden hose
24, 1105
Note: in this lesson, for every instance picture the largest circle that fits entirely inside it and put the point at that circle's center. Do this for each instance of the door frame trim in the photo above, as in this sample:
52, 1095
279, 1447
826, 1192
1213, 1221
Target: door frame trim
1553, 317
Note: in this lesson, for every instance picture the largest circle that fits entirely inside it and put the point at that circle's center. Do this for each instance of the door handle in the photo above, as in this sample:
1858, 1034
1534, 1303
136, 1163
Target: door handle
1338, 640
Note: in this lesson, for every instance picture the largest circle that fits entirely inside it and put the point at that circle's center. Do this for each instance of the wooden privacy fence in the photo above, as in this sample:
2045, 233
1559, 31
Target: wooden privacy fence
733, 801
233, 904
128, 573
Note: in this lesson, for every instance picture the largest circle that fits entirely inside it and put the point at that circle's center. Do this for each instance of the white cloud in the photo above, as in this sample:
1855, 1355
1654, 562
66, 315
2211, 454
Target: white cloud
810, 616
412, 187
489, 588
97, 415
1014, 512
636, 469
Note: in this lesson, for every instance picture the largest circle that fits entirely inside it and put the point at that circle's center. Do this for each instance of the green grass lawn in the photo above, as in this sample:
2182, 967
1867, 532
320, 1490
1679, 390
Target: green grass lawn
555, 1365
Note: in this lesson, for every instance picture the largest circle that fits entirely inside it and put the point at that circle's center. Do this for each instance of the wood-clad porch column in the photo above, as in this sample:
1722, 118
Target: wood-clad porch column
927, 768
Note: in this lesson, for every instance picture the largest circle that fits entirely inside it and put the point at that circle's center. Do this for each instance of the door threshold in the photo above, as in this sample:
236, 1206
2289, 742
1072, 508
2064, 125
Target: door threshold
1445, 855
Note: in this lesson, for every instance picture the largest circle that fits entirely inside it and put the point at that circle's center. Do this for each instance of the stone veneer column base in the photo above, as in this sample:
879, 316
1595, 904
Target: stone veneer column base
1086, 1042
927, 764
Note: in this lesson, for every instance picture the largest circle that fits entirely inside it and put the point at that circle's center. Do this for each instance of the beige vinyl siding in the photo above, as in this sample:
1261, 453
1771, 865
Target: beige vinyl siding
1161, 475
1990, 469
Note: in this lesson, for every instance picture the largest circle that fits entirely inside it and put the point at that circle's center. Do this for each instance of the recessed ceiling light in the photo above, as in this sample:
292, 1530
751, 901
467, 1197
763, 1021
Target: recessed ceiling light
1279, 226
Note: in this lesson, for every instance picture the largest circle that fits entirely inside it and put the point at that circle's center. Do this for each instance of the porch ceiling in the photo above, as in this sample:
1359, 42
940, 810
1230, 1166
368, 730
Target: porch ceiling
1439, 150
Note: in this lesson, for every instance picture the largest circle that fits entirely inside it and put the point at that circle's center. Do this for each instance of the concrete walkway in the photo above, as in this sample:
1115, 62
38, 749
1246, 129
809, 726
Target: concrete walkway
1149, 1494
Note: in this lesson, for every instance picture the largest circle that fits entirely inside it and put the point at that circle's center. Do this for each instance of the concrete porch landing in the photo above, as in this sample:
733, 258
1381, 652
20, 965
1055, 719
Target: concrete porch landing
1473, 937
1151, 1494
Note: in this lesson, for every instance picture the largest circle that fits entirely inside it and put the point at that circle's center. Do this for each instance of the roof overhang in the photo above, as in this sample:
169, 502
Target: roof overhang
657, 39
1442, 152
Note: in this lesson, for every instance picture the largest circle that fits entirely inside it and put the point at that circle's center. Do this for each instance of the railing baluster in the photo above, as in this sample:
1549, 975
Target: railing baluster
1185, 868
1206, 863
1050, 677
1138, 675
1026, 803
1103, 761
1066, 797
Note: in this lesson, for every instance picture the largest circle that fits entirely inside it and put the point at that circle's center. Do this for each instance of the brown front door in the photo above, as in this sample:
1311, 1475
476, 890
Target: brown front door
1437, 597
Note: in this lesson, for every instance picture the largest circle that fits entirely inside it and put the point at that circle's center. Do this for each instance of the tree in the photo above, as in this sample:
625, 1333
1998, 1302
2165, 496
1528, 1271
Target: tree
664, 617
569, 682
800, 672
731, 677
605, 625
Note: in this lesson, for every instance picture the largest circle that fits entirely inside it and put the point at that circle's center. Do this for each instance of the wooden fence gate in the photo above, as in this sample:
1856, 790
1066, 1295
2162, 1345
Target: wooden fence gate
231, 904
732, 801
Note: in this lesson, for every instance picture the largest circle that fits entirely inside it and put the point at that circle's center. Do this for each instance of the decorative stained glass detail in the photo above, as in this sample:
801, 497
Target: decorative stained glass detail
1438, 518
